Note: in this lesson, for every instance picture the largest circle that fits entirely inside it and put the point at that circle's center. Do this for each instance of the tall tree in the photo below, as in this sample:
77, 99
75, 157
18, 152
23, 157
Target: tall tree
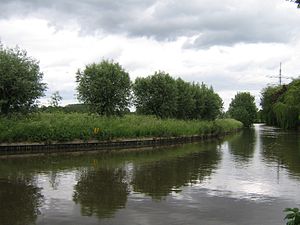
156, 95
20, 81
185, 100
243, 108
105, 87
281, 105
208, 104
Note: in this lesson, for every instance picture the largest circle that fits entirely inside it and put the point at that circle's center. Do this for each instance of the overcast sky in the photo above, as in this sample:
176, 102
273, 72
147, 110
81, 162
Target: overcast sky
232, 45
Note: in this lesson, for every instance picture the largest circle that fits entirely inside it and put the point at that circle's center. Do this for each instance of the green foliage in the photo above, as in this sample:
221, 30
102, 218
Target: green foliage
286, 115
165, 97
20, 81
185, 100
58, 126
281, 105
243, 108
78, 108
270, 96
156, 95
208, 104
293, 216
105, 87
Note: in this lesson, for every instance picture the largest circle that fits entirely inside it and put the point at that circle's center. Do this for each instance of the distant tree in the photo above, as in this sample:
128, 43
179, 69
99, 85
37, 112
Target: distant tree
55, 99
243, 108
20, 81
156, 95
105, 87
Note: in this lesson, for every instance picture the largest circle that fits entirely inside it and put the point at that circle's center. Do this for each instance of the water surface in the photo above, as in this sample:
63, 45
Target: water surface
247, 178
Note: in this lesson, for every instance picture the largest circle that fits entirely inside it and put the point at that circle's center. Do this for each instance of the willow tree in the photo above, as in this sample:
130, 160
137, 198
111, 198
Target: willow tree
105, 87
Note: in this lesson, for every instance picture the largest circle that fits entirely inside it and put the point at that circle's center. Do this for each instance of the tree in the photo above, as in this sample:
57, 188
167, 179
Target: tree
208, 104
243, 108
105, 87
20, 81
281, 105
185, 100
55, 99
156, 95
270, 96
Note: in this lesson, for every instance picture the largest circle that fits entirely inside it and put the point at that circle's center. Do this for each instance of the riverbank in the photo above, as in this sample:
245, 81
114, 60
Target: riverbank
59, 131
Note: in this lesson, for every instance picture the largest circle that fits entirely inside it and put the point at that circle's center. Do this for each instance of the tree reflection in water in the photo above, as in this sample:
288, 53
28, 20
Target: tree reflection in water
19, 201
242, 145
101, 192
159, 178
283, 148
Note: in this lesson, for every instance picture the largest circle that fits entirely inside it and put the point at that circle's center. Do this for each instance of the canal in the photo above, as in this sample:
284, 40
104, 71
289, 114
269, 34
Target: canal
245, 179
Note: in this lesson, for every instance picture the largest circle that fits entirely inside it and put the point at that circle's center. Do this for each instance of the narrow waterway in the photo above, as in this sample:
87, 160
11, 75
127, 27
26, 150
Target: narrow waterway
245, 179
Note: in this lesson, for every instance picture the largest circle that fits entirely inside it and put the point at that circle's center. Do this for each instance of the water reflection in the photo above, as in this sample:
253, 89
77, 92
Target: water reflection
242, 145
281, 147
101, 192
138, 187
158, 179
19, 201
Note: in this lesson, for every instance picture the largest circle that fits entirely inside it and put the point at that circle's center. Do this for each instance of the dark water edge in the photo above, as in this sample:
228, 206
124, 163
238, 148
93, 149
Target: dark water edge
38, 149
247, 178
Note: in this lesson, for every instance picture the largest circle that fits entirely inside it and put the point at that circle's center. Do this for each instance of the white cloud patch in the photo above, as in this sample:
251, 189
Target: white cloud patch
232, 45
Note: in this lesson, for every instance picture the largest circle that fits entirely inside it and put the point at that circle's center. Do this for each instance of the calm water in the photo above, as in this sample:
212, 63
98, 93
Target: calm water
248, 178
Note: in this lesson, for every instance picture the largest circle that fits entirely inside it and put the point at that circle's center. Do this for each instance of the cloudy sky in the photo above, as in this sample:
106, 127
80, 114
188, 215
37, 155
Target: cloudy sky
232, 45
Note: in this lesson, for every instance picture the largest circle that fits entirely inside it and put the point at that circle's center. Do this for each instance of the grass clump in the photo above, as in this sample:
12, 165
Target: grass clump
59, 126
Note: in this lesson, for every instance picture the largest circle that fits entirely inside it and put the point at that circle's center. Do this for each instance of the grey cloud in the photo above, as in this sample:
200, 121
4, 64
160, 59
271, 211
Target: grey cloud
224, 82
214, 23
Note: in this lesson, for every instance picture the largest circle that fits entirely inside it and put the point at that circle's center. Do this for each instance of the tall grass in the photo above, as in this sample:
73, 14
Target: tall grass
47, 127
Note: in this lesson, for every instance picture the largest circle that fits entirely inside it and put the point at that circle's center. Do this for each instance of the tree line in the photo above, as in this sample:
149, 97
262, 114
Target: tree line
106, 89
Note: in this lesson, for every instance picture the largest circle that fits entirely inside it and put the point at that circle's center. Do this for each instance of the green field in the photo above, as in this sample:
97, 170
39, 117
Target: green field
47, 127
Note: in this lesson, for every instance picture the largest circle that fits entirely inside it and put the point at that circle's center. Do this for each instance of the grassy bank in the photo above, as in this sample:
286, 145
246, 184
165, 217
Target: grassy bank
43, 127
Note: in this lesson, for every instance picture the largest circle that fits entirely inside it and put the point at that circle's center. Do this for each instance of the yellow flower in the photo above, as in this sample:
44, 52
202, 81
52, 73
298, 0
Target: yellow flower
96, 130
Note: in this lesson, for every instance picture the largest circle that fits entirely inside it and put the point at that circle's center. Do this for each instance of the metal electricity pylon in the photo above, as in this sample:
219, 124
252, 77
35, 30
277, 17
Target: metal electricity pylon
279, 76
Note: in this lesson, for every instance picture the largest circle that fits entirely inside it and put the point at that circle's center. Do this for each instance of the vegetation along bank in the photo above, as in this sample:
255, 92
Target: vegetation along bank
64, 127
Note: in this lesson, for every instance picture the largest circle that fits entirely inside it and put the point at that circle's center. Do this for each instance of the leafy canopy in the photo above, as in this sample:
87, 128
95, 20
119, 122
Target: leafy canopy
156, 95
165, 97
281, 105
105, 88
243, 108
20, 81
